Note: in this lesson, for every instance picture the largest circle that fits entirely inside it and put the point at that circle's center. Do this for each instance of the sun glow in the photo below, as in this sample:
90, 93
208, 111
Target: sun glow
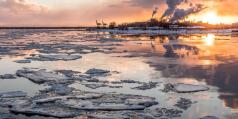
211, 18
209, 40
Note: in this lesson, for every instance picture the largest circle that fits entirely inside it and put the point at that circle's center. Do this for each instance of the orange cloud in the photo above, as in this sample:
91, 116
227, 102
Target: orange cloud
30, 13
227, 7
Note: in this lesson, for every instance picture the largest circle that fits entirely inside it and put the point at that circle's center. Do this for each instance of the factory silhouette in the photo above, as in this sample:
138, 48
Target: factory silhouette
172, 18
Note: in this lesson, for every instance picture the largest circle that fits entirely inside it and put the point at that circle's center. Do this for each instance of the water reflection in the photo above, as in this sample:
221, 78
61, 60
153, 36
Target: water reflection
209, 40
215, 57
200, 58
230, 100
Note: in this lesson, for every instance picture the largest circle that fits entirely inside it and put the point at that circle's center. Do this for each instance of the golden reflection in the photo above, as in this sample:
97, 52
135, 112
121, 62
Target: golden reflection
230, 101
209, 40
207, 62
189, 81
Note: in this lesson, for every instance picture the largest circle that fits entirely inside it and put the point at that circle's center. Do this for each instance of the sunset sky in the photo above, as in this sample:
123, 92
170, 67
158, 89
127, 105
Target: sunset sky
85, 12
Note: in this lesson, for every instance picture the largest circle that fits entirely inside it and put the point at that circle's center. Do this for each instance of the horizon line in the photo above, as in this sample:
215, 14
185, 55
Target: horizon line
45, 27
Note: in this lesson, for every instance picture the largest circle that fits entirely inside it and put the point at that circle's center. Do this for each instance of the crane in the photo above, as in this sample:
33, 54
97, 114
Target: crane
98, 24
104, 24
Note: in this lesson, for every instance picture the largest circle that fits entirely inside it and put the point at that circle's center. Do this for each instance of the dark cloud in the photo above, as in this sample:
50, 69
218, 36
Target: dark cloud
145, 3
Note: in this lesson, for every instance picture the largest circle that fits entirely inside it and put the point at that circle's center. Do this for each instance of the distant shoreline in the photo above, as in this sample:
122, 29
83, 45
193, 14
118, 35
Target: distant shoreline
169, 31
45, 27
136, 31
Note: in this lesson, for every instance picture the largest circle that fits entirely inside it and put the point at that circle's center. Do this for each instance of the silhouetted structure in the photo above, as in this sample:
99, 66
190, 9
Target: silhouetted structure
98, 24
179, 25
104, 25
112, 25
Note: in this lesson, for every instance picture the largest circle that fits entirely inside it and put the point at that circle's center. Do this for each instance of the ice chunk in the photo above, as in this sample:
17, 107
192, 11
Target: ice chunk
188, 88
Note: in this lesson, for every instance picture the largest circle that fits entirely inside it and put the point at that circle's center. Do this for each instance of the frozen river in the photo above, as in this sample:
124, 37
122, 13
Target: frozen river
207, 60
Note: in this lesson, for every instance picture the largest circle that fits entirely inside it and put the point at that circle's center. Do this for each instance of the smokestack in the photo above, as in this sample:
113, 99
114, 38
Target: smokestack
155, 11
174, 14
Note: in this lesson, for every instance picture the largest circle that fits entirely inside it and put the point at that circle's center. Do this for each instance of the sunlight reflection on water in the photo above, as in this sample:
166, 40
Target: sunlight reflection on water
209, 40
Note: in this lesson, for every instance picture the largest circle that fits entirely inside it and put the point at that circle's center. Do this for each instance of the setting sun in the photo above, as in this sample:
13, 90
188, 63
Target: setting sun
211, 17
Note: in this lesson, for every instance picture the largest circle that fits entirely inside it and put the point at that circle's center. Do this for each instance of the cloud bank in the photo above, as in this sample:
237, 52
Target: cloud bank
33, 13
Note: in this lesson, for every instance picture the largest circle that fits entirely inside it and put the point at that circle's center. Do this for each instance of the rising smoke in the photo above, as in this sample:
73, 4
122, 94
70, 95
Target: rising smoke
175, 14
155, 11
